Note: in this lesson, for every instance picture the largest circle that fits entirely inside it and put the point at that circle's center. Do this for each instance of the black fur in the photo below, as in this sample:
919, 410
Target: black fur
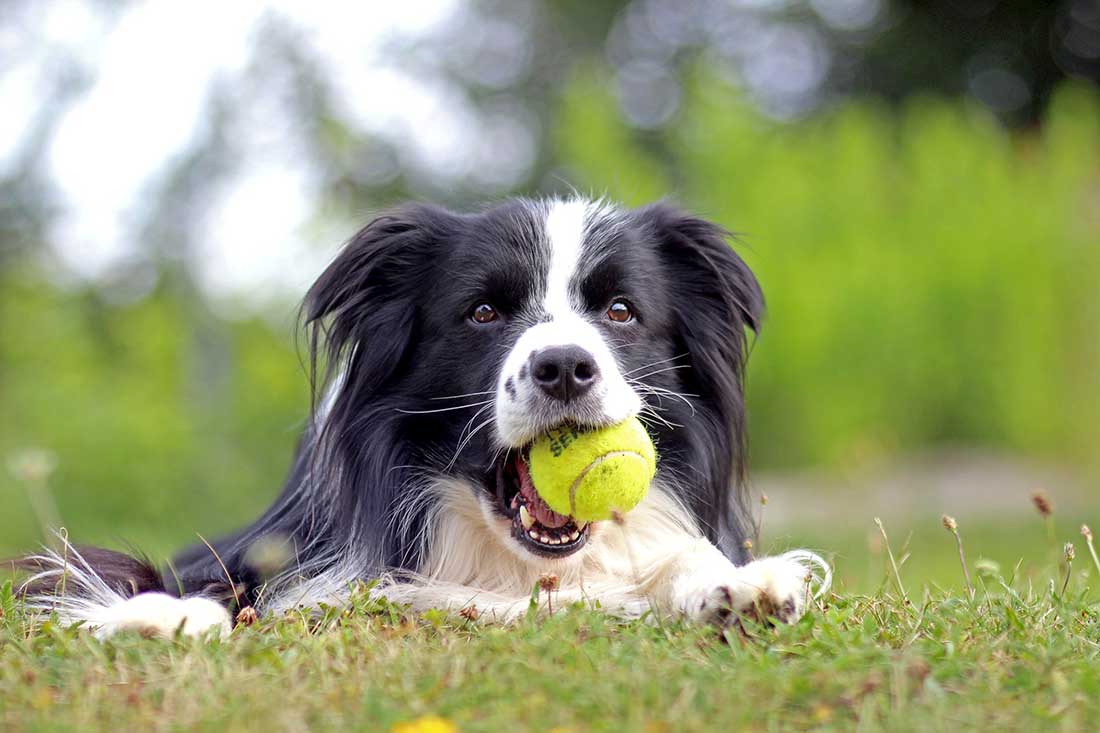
723, 300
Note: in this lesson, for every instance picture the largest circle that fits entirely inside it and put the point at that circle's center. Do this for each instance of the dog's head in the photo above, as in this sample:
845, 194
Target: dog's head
464, 337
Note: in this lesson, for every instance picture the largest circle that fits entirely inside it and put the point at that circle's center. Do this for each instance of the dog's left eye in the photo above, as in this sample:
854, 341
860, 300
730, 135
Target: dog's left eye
483, 313
620, 311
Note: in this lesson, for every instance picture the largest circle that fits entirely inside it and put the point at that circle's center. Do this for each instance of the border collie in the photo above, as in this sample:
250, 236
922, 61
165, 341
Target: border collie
441, 345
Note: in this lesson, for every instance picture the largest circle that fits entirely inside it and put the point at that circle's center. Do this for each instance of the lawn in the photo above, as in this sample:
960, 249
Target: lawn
1021, 655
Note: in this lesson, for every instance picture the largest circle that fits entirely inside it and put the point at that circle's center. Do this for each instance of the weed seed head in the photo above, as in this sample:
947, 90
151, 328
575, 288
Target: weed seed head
549, 582
247, 616
33, 465
1042, 503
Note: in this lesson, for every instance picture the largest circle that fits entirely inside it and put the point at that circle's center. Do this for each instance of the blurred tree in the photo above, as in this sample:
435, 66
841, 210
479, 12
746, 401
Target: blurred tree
1007, 54
488, 79
792, 56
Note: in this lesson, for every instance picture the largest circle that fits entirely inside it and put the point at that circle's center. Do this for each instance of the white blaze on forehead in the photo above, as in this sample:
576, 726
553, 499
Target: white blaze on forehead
522, 410
565, 226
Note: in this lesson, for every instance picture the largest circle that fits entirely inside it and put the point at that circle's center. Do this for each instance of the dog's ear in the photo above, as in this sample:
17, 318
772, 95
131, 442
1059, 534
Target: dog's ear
717, 298
360, 314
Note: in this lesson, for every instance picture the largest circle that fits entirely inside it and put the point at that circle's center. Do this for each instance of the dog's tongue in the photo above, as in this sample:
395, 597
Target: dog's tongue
543, 514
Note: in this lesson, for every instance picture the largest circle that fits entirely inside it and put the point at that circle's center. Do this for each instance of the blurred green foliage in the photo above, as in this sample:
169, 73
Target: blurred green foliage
163, 421
931, 280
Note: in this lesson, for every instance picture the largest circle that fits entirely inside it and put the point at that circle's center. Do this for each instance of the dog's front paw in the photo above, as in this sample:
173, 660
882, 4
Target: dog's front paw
767, 590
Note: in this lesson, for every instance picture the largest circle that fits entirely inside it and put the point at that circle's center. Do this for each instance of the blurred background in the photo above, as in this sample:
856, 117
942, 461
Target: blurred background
916, 184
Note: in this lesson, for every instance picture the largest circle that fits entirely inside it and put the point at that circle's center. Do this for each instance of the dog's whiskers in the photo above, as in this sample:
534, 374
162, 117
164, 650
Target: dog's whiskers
462, 444
443, 409
661, 371
660, 392
649, 412
468, 394
496, 456
471, 421
655, 363
466, 435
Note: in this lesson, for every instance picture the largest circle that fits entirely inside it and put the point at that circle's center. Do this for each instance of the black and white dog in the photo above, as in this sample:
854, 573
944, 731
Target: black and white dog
442, 345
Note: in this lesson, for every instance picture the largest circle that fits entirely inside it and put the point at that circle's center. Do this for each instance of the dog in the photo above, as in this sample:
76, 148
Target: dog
441, 345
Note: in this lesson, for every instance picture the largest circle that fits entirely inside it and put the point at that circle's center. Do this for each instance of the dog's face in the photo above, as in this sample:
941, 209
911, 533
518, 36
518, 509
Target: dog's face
481, 332
563, 312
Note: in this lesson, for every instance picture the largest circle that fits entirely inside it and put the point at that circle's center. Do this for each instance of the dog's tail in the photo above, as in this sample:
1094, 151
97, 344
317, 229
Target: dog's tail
110, 591
88, 571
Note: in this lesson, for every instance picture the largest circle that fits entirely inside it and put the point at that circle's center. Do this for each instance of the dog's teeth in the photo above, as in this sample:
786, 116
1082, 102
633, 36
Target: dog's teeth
575, 536
533, 533
554, 541
515, 501
525, 518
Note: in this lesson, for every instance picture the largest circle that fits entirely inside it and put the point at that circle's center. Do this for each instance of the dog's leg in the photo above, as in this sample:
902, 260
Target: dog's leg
706, 587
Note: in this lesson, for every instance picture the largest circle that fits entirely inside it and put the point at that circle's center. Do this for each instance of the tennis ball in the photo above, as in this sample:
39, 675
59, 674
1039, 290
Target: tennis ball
588, 475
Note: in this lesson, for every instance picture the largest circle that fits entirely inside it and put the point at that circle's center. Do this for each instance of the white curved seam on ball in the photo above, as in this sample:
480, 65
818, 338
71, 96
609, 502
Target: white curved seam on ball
599, 459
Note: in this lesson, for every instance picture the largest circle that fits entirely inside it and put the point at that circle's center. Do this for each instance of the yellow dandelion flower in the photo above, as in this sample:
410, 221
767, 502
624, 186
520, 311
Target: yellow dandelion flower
425, 724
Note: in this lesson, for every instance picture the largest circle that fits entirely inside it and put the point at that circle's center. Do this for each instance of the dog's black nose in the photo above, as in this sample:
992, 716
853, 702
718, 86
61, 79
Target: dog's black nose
564, 372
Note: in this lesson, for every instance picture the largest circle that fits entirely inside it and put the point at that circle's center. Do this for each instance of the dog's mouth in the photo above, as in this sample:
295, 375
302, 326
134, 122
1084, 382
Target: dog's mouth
536, 526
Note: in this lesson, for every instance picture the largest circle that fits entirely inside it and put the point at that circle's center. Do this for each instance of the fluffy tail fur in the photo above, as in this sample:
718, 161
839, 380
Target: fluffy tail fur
109, 592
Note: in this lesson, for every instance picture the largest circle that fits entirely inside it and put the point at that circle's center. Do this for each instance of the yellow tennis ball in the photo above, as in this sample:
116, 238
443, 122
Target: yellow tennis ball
588, 475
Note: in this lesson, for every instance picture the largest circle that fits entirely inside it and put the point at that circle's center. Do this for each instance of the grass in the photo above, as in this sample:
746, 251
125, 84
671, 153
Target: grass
1022, 655
928, 555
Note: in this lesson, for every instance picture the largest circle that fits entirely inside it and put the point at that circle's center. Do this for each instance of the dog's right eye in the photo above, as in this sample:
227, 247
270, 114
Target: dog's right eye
483, 313
620, 311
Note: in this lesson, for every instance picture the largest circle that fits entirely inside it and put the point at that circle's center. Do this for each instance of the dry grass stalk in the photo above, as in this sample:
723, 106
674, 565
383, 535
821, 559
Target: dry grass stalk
1087, 534
952, 526
893, 563
1069, 553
